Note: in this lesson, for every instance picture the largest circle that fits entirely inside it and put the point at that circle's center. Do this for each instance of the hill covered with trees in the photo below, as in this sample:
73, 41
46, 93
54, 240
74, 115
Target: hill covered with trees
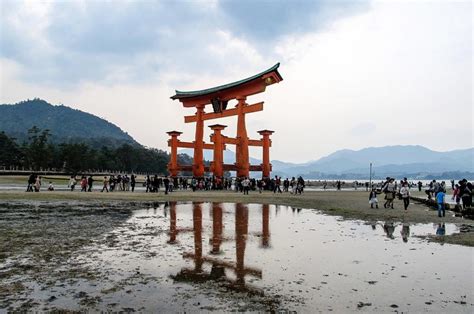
39, 136
65, 125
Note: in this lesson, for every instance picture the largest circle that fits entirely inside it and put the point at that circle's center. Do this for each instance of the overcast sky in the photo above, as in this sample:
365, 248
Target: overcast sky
356, 73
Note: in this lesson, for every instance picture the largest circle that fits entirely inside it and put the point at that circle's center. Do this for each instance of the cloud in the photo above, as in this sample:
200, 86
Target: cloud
266, 21
71, 42
399, 71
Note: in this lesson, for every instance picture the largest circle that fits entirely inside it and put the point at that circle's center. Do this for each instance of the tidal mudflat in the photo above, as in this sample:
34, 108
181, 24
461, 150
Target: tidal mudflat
179, 256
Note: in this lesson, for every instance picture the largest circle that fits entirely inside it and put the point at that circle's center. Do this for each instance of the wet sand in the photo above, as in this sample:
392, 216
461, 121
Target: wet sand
69, 255
347, 204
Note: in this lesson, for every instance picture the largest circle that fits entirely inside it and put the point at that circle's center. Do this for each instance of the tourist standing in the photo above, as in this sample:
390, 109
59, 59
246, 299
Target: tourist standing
456, 194
389, 190
440, 202
72, 183
31, 182
166, 182
83, 184
246, 185
50, 186
373, 199
90, 181
466, 193
132, 182
277, 185
405, 194
38, 184
148, 184
105, 183
300, 185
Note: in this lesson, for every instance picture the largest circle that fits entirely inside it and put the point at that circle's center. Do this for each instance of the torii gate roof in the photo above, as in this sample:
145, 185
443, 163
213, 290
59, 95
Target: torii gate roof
223, 90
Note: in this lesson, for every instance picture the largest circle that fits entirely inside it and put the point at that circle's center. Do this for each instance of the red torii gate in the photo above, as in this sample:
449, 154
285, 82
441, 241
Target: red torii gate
218, 97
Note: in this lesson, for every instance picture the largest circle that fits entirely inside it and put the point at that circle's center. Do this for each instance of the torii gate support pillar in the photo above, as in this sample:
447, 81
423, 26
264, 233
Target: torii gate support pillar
218, 139
173, 166
266, 166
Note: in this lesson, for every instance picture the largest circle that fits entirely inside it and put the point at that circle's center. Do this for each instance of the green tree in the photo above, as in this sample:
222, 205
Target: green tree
37, 152
10, 153
75, 157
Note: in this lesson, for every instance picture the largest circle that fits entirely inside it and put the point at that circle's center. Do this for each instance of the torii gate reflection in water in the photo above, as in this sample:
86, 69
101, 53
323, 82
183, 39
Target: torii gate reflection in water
219, 97
218, 266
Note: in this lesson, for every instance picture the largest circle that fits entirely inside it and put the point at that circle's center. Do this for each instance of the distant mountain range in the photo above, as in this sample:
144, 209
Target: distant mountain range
71, 125
65, 124
411, 161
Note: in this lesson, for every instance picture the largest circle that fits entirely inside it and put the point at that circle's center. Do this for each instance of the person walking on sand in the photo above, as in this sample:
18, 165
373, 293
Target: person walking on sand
105, 185
456, 194
166, 182
246, 185
389, 190
72, 183
133, 182
90, 181
277, 185
465, 190
440, 202
31, 182
405, 194
38, 184
373, 199
83, 184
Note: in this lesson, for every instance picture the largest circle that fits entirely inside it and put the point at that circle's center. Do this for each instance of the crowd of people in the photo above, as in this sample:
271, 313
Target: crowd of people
155, 183
462, 191
390, 188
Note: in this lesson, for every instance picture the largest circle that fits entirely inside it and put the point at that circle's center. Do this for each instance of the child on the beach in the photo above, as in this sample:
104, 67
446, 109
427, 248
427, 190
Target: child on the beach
373, 199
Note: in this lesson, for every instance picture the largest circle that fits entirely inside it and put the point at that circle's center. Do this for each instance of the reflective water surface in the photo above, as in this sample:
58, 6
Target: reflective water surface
205, 256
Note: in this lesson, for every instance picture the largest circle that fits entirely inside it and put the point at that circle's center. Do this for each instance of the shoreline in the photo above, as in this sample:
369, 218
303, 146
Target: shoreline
348, 205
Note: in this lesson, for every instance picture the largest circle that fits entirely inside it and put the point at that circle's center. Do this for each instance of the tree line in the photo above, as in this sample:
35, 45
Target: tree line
40, 153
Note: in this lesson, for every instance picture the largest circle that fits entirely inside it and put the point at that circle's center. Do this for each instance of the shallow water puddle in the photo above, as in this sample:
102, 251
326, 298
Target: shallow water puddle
204, 256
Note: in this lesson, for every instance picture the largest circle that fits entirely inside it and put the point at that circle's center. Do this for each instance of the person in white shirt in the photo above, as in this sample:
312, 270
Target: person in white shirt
405, 194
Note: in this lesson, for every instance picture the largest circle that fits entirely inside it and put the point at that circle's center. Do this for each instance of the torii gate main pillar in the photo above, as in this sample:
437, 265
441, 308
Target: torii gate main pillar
198, 163
242, 149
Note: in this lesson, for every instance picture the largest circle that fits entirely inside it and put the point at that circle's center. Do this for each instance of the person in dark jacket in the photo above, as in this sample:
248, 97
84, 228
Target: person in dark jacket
133, 182
90, 182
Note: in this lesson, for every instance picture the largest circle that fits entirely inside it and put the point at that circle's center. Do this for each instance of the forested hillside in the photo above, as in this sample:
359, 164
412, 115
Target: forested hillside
64, 124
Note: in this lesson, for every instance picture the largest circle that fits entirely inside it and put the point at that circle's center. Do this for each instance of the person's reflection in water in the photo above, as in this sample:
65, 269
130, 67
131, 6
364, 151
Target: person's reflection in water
389, 228
441, 230
405, 232
373, 225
